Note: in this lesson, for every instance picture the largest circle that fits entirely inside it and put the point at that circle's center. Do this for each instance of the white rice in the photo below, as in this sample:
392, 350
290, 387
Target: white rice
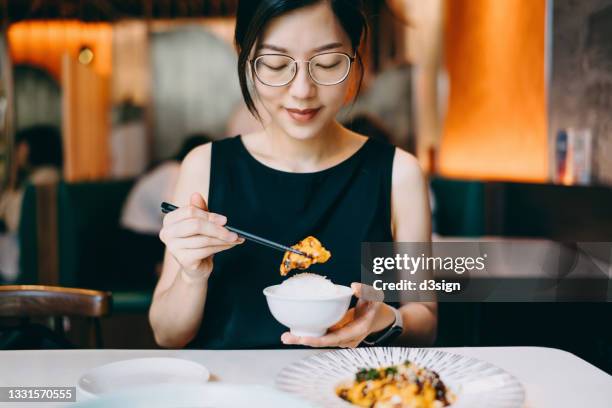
307, 286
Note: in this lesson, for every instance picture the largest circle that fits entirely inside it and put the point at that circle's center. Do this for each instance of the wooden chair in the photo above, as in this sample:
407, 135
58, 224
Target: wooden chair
29, 301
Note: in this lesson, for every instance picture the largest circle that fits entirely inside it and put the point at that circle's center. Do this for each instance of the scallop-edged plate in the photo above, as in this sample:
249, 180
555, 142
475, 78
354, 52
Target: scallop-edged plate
140, 372
475, 383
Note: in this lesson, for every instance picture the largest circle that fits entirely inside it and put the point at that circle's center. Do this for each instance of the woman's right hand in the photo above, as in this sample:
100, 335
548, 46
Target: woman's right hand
193, 235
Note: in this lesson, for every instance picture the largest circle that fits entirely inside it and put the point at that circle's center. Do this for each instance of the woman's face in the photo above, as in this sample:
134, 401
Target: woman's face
303, 108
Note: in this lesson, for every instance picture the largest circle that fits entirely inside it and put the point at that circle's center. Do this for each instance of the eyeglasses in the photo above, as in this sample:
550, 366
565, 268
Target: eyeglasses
327, 69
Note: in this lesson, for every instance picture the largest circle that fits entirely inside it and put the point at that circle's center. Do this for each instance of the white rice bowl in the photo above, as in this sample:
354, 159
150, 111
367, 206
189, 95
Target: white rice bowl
308, 303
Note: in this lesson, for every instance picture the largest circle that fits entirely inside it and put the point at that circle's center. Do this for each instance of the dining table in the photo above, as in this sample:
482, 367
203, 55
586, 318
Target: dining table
550, 377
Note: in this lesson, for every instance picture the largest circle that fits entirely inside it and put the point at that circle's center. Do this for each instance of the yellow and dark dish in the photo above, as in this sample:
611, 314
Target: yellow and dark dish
399, 386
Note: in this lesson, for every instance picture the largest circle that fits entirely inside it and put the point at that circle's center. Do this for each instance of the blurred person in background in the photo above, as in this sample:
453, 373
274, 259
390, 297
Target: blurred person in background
38, 160
141, 219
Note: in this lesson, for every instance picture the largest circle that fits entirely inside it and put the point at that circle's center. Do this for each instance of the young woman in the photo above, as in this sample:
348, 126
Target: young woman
303, 174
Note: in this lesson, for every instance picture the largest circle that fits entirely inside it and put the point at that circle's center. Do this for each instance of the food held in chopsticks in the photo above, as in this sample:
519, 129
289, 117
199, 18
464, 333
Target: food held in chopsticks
404, 385
311, 247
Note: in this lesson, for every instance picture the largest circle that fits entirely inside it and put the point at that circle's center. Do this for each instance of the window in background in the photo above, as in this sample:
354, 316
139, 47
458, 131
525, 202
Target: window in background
580, 95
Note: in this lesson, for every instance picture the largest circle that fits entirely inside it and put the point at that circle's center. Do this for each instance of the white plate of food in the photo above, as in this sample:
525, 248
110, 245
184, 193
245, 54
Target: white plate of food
140, 372
391, 376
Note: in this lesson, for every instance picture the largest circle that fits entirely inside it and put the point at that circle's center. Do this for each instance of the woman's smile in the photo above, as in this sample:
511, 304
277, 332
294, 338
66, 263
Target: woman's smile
302, 115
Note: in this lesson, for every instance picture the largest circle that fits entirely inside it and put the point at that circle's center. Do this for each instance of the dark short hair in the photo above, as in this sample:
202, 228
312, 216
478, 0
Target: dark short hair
44, 144
253, 16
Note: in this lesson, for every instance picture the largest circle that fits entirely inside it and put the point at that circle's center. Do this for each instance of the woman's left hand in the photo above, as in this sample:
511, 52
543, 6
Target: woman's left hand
365, 318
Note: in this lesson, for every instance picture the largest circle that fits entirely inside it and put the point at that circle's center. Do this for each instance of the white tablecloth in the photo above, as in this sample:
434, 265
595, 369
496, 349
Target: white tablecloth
552, 378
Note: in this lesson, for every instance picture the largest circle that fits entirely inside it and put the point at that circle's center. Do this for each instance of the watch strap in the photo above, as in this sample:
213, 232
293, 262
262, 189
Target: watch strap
389, 334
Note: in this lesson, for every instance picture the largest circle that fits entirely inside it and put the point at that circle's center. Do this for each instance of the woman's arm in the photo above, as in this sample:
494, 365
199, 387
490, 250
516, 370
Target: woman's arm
411, 222
176, 312
192, 235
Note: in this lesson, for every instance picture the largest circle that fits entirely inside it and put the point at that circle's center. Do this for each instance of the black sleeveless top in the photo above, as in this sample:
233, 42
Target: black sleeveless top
342, 206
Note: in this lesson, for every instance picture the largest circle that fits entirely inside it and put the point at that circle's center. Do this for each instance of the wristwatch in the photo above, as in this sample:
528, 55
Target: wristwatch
389, 334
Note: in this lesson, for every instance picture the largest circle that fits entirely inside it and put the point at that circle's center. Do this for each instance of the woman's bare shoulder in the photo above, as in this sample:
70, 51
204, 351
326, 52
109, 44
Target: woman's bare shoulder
406, 169
195, 173
410, 218
199, 157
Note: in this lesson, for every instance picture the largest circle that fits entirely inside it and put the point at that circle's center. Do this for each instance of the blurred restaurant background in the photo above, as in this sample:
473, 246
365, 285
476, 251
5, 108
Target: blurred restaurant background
506, 103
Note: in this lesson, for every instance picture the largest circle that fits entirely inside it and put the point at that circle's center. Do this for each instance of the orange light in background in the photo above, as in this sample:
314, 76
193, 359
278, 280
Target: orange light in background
42, 43
496, 125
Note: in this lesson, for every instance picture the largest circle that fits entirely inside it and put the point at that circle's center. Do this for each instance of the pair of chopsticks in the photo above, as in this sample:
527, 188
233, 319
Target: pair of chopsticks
167, 207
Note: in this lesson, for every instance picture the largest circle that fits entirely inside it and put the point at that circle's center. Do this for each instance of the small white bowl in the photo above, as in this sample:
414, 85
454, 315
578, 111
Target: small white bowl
310, 317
